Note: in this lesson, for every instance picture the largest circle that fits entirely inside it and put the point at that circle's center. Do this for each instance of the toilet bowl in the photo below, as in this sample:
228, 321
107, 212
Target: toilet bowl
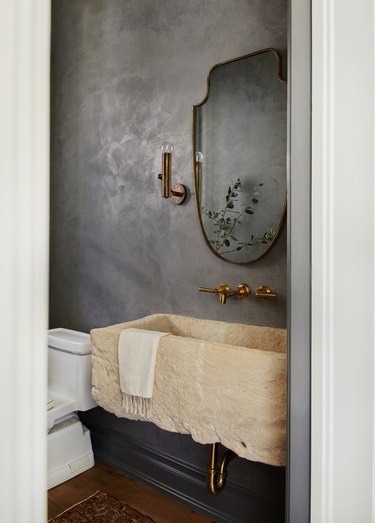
69, 390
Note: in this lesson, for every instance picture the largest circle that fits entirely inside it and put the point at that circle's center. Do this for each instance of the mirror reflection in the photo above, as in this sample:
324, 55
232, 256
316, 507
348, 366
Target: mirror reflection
240, 140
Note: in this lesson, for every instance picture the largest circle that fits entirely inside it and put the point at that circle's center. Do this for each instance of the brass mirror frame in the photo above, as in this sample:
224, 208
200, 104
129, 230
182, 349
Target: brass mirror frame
196, 167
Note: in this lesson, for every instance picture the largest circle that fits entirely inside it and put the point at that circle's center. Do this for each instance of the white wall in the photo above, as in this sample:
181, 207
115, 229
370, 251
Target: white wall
342, 262
24, 139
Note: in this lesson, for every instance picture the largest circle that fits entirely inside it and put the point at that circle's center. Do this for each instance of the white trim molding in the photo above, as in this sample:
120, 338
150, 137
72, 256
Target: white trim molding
342, 433
24, 145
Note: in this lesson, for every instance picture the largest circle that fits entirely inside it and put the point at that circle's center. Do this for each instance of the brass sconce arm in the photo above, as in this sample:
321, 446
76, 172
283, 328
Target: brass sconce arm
175, 193
223, 290
166, 170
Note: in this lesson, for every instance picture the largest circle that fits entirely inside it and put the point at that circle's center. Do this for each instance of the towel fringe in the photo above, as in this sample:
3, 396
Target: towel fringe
137, 405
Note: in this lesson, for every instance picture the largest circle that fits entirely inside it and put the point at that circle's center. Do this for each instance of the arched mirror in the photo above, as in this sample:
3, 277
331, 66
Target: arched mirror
239, 144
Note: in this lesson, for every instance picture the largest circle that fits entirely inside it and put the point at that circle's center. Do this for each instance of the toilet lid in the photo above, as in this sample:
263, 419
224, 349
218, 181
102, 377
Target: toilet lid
70, 341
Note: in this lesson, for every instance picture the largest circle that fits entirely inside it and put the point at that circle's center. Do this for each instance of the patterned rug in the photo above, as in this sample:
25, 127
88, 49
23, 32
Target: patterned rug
100, 508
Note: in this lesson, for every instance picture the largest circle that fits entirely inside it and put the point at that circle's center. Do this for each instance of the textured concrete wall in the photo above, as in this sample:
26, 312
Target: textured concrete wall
125, 75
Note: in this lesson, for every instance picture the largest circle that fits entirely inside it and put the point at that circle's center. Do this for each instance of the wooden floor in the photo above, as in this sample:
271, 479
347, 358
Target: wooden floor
157, 506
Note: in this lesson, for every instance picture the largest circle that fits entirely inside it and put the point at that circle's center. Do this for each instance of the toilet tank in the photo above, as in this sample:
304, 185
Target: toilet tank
69, 367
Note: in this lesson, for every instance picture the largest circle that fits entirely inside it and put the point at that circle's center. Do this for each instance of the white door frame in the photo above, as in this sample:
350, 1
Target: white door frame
24, 145
342, 259
342, 435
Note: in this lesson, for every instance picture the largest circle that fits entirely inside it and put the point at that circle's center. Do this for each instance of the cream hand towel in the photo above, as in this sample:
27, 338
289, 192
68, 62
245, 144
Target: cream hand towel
137, 350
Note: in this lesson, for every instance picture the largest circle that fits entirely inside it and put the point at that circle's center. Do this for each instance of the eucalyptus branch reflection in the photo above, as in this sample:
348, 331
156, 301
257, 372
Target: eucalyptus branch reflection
233, 214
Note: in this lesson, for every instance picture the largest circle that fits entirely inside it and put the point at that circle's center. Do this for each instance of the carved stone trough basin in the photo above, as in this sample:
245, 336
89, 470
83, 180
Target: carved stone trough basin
218, 381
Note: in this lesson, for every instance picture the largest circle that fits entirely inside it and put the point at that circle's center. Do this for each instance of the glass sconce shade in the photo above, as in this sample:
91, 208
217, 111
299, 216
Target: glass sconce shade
166, 147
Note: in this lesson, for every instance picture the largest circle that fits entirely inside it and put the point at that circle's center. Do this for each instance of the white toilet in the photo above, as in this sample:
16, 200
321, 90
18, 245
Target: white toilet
69, 390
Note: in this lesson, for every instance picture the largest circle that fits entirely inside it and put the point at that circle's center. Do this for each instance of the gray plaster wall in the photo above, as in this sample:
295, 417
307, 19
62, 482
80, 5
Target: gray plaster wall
125, 75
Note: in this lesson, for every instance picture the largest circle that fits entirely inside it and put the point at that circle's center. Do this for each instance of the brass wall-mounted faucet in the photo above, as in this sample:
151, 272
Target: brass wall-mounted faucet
223, 290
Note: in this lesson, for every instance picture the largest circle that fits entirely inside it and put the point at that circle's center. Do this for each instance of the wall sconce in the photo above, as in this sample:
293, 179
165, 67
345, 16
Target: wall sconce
176, 193
198, 173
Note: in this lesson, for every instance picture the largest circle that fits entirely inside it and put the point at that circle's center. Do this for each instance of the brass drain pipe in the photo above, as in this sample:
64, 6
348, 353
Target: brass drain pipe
217, 472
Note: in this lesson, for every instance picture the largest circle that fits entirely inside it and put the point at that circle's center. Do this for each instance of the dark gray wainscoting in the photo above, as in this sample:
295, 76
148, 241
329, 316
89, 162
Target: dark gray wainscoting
176, 465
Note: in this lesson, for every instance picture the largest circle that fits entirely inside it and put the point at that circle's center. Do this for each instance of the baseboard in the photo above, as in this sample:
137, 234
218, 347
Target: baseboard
184, 482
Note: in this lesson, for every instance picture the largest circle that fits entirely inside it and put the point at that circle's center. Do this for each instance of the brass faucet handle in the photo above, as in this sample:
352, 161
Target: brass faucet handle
264, 292
243, 291
223, 288
207, 289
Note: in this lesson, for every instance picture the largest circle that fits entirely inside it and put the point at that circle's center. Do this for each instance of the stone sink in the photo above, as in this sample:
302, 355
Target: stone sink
220, 382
